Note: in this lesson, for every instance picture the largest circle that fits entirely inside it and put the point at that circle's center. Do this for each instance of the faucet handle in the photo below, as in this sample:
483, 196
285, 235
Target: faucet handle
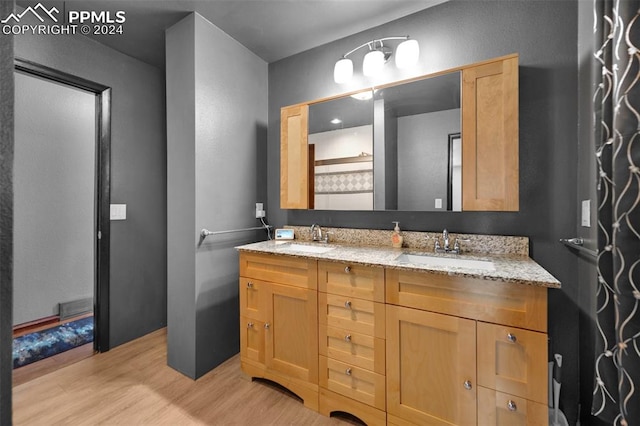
456, 245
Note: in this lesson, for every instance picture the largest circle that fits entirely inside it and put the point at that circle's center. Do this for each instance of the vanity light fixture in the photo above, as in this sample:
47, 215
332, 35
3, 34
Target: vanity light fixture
407, 54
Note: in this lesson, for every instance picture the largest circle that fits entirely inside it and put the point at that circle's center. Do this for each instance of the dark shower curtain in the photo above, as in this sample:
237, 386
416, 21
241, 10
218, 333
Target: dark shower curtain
616, 395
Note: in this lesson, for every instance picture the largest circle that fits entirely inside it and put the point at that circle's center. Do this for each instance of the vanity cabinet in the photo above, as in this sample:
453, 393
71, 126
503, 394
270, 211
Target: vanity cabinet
352, 340
279, 322
443, 329
395, 346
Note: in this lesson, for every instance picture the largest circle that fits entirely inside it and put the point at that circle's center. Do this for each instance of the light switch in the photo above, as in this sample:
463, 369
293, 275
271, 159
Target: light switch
586, 213
438, 203
118, 212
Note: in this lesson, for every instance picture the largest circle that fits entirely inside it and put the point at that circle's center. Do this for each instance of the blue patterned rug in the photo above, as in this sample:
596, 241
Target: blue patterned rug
43, 344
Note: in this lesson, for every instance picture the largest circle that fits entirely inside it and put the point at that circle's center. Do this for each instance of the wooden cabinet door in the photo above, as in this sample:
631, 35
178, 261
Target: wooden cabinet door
294, 157
291, 335
490, 136
513, 360
500, 409
431, 367
252, 339
253, 298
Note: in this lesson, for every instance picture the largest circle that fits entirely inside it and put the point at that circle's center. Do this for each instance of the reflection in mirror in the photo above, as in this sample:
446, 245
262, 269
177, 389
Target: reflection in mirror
454, 183
418, 118
341, 149
389, 149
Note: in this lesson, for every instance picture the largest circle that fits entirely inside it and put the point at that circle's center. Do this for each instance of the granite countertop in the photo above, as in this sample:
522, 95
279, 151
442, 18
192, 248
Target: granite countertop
511, 268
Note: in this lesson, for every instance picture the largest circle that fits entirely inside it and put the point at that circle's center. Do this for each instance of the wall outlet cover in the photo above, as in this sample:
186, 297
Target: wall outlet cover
586, 213
118, 212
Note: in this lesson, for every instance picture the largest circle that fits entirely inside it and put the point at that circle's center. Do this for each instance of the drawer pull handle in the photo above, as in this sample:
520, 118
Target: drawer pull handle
347, 269
348, 371
512, 406
249, 285
512, 338
266, 325
347, 338
347, 304
250, 325
467, 385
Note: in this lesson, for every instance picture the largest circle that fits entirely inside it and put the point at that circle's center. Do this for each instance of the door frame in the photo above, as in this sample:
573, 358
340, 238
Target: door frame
103, 185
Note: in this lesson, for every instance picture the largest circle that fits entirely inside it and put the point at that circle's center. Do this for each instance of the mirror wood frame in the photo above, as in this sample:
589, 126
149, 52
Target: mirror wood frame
490, 160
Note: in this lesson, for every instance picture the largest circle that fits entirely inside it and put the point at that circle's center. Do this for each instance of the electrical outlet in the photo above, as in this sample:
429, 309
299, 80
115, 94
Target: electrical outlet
438, 203
586, 213
260, 210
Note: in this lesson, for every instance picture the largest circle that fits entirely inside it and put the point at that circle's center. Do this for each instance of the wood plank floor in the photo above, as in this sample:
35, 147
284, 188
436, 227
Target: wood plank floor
48, 365
132, 384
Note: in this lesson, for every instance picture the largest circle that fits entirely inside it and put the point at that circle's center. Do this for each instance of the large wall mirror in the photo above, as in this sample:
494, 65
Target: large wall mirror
388, 149
403, 147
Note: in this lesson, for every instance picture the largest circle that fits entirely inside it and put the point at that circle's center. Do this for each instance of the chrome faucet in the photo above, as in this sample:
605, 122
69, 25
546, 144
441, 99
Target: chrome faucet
446, 244
316, 232
445, 240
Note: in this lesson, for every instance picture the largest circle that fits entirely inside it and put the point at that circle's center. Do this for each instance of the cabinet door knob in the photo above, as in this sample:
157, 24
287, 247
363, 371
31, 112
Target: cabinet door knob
512, 338
467, 385
347, 269
348, 371
512, 406
347, 304
250, 325
249, 285
347, 338
266, 325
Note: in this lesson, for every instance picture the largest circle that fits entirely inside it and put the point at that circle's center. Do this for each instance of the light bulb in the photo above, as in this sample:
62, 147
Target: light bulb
407, 54
373, 63
343, 71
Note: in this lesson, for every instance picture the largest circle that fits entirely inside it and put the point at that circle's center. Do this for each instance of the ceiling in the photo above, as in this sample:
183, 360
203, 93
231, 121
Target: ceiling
272, 29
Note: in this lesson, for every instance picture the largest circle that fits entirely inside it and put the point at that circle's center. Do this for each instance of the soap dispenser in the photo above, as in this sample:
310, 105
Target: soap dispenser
396, 237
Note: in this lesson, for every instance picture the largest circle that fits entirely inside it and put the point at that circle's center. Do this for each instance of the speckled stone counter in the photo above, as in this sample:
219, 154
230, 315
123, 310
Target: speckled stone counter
515, 268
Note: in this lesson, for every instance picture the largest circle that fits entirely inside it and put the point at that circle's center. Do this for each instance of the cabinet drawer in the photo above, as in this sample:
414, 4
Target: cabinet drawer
253, 298
353, 348
252, 339
513, 360
355, 382
358, 315
515, 305
501, 409
298, 272
363, 282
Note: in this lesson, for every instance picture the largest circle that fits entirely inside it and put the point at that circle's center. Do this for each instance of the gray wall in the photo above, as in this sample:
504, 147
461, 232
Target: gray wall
6, 218
216, 116
544, 33
587, 177
138, 174
54, 197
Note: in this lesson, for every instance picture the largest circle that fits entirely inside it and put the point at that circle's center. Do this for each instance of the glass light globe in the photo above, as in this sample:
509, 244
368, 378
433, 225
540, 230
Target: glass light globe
343, 71
407, 54
373, 63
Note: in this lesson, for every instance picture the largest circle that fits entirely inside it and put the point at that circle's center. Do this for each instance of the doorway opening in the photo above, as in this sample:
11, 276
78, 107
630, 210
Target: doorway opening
61, 234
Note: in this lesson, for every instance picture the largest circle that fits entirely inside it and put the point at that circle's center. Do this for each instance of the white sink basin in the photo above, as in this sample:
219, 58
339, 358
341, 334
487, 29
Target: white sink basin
423, 259
307, 248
